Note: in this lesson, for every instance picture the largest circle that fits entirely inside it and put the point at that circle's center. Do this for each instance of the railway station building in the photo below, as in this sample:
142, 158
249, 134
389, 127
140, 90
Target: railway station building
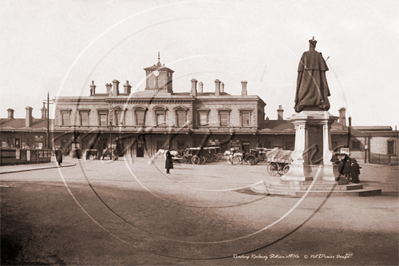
140, 123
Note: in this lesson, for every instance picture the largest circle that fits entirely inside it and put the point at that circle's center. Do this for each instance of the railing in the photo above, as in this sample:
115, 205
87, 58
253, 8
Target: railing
385, 159
24, 156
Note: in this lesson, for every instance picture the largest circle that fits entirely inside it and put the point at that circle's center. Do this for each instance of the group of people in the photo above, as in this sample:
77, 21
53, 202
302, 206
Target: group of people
349, 170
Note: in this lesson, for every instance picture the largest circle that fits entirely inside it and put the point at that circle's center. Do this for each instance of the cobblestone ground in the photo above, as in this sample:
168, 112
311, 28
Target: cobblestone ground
131, 213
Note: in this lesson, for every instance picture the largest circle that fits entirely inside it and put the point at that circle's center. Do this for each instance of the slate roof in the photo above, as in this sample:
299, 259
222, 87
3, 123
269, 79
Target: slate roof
19, 123
286, 126
372, 128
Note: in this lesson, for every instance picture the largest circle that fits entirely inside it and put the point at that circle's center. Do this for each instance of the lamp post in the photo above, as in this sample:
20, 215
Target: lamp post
48, 119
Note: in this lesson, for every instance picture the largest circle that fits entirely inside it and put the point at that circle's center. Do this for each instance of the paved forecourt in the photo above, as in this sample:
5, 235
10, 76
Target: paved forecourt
131, 212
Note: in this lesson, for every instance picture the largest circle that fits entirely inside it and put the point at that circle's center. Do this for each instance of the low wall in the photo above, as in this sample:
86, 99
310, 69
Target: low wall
24, 156
384, 159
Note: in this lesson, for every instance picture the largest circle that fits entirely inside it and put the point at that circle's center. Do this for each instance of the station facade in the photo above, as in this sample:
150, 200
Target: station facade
141, 123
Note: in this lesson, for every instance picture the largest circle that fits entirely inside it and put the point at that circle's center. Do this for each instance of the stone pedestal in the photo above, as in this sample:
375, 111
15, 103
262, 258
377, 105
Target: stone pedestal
312, 154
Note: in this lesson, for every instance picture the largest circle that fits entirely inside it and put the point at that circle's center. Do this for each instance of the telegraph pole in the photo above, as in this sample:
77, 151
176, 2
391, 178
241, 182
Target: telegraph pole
48, 120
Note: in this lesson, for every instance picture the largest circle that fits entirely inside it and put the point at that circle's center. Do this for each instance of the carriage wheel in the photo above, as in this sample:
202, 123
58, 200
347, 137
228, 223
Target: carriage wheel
272, 168
195, 160
236, 159
280, 169
286, 169
184, 159
251, 159
203, 159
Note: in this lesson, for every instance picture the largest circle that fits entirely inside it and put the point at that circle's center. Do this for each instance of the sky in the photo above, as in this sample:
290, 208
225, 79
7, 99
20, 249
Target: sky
60, 47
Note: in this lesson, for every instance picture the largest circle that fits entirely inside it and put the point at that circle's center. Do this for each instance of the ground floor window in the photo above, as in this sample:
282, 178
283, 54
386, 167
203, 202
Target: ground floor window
391, 147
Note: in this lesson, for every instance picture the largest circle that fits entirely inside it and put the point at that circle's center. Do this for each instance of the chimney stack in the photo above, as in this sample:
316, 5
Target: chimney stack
201, 87
350, 121
217, 87
115, 89
92, 88
128, 87
10, 113
109, 88
222, 87
244, 88
280, 112
28, 119
342, 116
194, 87
44, 112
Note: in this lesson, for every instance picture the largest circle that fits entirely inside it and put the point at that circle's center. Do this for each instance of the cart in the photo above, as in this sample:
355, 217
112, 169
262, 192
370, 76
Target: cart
111, 153
194, 156
90, 154
235, 155
278, 161
212, 154
256, 156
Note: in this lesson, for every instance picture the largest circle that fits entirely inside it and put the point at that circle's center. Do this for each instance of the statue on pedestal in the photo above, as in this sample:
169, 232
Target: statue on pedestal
312, 89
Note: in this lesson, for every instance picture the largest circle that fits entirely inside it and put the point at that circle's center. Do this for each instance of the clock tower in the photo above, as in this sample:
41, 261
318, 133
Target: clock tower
159, 77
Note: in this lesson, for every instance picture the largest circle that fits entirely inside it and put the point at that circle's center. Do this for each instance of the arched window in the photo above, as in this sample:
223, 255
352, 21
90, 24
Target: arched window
160, 115
181, 116
139, 114
119, 116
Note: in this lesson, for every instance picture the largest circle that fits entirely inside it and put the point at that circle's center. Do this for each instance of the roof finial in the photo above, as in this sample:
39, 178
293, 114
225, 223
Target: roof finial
159, 58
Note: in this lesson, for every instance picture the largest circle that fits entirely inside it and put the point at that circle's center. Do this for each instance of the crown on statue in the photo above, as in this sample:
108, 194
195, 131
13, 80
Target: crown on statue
313, 42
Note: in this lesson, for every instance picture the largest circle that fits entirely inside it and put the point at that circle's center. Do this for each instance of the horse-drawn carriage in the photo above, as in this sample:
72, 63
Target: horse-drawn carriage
201, 155
235, 155
256, 156
278, 161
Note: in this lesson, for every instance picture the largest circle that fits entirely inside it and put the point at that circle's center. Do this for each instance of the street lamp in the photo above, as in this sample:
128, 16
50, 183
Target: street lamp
48, 119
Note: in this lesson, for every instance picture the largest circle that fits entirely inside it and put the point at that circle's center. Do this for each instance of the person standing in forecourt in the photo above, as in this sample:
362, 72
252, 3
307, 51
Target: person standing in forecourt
168, 161
58, 156
355, 172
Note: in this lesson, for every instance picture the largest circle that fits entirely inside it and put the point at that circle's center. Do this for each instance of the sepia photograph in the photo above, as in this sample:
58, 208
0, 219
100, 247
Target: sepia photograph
203, 132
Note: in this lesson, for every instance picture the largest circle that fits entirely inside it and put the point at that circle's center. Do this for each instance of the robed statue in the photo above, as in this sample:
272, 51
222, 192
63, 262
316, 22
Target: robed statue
312, 89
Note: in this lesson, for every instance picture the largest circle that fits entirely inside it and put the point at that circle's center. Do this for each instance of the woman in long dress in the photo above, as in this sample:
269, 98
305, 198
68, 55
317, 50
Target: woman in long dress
168, 161
58, 156
355, 172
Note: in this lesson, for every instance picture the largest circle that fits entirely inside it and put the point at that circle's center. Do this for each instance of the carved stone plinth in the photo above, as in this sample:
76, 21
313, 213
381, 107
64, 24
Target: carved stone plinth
312, 154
